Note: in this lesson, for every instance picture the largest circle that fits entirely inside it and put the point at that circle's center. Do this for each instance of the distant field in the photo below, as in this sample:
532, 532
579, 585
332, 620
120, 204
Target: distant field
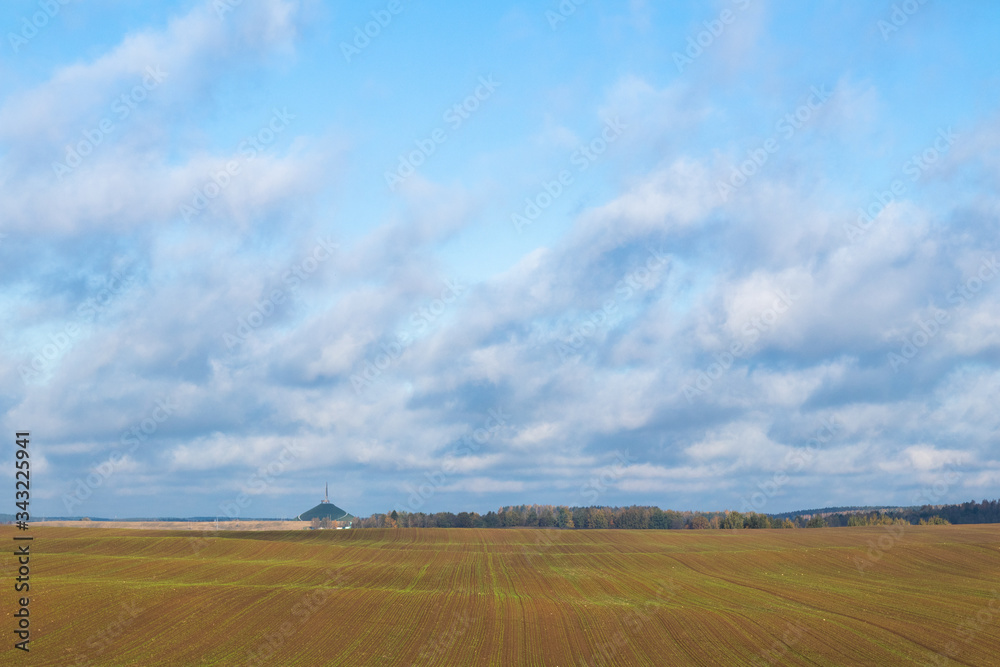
510, 597
183, 525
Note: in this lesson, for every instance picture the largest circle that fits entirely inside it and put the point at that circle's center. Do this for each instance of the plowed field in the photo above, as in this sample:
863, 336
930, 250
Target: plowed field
929, 596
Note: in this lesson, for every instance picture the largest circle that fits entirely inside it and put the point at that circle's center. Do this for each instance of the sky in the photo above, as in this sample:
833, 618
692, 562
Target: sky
700, 255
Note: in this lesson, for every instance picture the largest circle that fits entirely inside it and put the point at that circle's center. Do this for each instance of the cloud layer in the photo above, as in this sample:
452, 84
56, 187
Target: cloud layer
211, 297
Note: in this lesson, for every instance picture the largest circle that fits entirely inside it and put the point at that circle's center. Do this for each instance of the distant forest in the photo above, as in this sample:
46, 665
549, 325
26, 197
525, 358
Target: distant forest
654, 518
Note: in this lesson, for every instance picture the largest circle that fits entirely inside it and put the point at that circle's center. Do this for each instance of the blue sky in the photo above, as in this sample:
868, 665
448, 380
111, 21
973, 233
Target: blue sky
580, 253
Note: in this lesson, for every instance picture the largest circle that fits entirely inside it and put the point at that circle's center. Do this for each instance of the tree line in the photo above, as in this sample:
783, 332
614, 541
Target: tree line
987, 511
635, 517
641, 517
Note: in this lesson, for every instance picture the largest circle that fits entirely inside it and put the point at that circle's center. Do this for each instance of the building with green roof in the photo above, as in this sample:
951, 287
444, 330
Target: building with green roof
325, 510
